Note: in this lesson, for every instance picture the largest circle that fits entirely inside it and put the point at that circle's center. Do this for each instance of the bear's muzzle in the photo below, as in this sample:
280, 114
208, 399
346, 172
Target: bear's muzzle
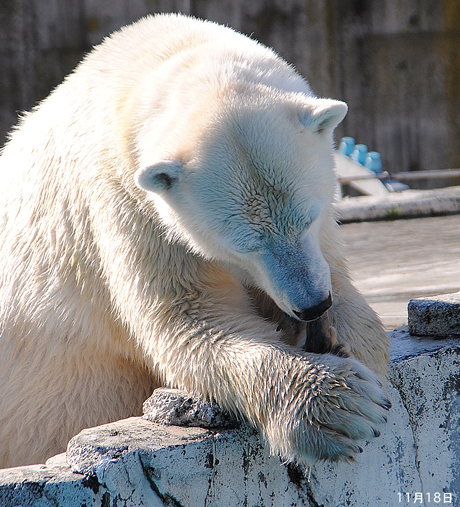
314, 312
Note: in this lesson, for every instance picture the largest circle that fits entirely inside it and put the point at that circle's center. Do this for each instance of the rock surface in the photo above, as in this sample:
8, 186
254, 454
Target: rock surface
179, 408
435, 316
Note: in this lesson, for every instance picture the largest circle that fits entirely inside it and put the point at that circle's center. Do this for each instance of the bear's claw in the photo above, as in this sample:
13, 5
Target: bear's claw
349, 404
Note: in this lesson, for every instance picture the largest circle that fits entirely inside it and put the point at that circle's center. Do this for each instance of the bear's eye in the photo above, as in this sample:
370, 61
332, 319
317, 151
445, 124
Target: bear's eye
247, 249
307, 221
254, 248
252, 245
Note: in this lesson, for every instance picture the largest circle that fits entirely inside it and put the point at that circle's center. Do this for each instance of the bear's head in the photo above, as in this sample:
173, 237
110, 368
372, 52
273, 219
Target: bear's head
252, 192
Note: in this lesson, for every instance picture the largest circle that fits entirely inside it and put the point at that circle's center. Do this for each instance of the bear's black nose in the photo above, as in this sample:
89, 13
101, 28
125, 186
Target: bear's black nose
315, 311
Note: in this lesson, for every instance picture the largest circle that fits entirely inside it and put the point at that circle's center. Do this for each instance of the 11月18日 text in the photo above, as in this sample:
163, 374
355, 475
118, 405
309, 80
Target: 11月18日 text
426, 498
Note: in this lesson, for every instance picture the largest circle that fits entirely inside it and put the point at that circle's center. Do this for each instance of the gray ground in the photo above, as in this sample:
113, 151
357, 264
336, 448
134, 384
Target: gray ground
394, 261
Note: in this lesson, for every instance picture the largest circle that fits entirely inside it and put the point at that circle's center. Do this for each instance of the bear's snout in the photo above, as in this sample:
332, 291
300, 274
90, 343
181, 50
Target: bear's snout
309, 314
297, 277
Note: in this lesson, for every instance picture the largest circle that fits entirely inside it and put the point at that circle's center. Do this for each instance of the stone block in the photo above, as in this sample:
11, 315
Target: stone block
435, 316
179, 408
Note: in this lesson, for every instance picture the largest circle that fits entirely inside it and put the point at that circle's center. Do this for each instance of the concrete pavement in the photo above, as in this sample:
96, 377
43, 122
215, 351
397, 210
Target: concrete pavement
394, 261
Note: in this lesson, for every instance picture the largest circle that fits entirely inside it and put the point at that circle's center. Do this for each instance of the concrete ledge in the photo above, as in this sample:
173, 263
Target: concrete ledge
407, 204
435, 316
136, 462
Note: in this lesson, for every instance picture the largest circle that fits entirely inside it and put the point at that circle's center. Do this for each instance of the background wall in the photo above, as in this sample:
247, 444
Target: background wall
396, 62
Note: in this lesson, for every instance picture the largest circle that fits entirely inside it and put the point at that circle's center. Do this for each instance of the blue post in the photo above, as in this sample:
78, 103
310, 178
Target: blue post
359, 153
347, 145
373, 161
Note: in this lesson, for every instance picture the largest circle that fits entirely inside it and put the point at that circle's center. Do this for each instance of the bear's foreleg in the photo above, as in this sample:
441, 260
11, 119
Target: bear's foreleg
307, 406
197, 329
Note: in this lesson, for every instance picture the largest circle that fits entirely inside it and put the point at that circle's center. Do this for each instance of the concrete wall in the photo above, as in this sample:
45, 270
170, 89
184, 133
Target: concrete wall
396, 62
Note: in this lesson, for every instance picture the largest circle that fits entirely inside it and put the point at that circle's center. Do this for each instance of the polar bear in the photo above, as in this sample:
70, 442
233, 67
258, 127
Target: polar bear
167, 219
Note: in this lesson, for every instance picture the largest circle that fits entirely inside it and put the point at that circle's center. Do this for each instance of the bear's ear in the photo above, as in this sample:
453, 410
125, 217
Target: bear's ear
324, 114
158, 177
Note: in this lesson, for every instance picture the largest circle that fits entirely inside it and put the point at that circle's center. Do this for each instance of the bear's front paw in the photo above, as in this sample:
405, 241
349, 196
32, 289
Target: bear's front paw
326, 409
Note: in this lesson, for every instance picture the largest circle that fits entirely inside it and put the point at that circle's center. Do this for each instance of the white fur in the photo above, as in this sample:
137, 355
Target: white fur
180, 164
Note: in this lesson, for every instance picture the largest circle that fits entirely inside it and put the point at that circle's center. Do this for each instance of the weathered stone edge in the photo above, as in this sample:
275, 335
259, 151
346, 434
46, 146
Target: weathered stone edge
407, 204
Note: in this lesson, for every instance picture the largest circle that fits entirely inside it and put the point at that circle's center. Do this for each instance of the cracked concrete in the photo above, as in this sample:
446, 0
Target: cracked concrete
135, 462
434, 412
